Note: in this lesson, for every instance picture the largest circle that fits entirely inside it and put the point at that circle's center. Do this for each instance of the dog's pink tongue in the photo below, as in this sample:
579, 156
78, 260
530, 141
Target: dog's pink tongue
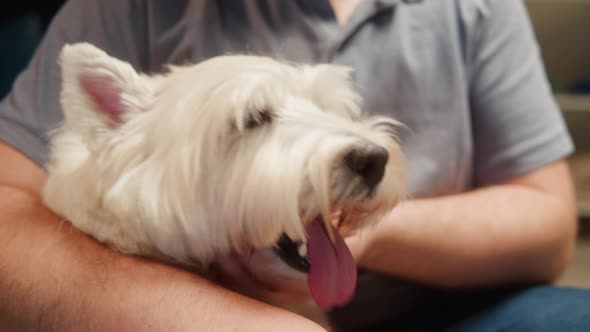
332, 272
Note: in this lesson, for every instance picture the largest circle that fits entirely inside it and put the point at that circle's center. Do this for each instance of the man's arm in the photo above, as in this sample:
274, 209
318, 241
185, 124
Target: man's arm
522, 231
54, 278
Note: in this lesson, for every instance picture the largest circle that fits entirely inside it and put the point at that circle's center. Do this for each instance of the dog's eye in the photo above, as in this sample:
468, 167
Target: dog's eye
257, 119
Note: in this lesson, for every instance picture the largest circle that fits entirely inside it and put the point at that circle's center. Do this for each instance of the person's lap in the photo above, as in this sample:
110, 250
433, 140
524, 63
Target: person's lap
540, 308
414, 308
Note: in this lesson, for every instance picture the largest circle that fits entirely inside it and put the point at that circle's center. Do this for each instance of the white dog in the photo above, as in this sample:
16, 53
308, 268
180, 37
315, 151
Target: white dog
236, 155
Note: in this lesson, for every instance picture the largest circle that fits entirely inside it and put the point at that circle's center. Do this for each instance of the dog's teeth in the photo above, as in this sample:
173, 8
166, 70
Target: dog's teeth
302, 249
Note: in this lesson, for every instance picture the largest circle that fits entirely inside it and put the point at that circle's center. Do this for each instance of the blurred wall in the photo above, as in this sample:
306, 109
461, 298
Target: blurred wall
563, 30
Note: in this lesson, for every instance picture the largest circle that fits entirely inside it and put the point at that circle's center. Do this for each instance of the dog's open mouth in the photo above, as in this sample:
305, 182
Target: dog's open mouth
293, 253
327, 260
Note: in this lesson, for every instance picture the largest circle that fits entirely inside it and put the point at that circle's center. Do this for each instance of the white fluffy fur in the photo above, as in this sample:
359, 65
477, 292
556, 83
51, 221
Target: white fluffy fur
182, 179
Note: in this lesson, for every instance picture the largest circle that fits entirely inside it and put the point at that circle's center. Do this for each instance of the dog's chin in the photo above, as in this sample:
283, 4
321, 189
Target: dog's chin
267, 267
285, 268
284, 265
275, 276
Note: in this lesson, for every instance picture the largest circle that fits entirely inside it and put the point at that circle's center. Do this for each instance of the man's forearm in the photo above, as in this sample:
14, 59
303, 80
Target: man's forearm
53, 278
502, 234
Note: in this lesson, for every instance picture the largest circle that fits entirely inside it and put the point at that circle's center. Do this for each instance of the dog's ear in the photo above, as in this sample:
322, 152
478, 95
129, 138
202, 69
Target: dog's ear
99, 91
338, 79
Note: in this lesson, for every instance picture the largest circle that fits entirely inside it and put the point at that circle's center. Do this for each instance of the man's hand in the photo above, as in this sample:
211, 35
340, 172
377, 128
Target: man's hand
54, 278
522, 231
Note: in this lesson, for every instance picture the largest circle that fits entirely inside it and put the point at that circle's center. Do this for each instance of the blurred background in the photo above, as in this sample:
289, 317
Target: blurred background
563, 31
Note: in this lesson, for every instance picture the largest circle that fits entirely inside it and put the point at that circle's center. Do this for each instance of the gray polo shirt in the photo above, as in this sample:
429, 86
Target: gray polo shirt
465, 76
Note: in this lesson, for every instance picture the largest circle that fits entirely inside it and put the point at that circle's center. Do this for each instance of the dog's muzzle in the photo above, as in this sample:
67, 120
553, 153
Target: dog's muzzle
324, 255
367, 162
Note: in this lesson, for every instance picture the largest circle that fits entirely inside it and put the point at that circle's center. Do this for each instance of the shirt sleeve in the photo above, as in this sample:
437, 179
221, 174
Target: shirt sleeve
517, 125
32, 109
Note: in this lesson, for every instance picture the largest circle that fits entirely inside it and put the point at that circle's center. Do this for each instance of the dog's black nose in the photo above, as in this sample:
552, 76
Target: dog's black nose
368, 162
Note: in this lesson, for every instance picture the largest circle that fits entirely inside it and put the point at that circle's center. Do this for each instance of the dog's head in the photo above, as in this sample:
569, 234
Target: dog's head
234, 154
